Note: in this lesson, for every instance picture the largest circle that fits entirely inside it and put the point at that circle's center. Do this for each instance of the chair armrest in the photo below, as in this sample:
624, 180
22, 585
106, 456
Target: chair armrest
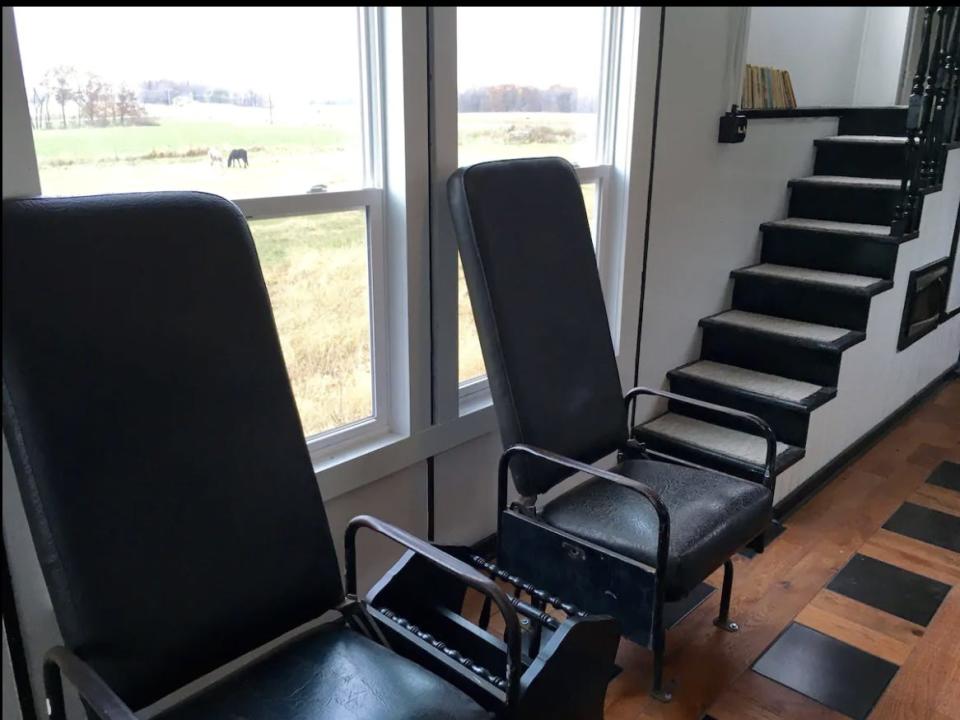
648, 493
459, 569
769, 465
61, 662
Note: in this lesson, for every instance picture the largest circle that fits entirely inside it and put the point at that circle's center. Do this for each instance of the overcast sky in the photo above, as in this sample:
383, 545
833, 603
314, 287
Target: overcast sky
284, 50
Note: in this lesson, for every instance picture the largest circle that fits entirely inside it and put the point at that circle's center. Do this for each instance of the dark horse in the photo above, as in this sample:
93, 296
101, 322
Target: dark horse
238, 156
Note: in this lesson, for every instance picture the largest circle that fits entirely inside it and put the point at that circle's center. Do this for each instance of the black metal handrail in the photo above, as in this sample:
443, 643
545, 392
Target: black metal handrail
770, 456
933, 114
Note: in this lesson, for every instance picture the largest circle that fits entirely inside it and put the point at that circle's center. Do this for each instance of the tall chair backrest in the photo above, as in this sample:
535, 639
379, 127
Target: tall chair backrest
531, 270
155, 437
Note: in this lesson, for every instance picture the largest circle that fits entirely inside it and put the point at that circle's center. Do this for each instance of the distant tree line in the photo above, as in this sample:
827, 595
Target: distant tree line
92, 101
524, 98
166, 92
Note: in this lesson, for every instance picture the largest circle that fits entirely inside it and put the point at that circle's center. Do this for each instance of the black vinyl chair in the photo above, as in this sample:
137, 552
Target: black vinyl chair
634, 536
175, 510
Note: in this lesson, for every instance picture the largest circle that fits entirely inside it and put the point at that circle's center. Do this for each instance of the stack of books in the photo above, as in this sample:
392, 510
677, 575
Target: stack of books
766, 88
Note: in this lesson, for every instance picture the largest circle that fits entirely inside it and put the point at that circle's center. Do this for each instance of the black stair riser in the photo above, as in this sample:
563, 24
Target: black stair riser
873, 206
829, 251
860, 160
888, 121
770, 354
810, 303
788, 424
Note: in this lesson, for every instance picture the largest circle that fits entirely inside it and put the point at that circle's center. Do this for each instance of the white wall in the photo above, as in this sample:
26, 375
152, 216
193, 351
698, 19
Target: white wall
875, 379
835, 55
708, 201
19, 162
820, 46
881, 55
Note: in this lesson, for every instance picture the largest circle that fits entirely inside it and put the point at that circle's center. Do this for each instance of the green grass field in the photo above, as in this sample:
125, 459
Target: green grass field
315, 266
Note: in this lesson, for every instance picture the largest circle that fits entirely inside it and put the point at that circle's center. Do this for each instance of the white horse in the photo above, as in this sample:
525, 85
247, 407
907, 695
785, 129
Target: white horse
216, 156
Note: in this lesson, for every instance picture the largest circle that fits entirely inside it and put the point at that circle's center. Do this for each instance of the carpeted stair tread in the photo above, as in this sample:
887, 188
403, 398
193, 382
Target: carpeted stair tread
802, 332
829, 226
864, 139
766, 385
841, 282
844, 181
747, 448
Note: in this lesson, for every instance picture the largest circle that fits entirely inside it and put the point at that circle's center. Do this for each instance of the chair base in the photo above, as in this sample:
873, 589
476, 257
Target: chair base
726, 625
661, 695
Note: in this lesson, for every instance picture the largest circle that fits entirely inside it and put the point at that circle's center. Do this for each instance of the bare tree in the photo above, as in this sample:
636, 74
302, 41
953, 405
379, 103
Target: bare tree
127, 105
90, 95
41, 97
61, 80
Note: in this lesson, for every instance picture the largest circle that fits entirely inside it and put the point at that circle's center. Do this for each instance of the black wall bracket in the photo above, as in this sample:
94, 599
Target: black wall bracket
733, 126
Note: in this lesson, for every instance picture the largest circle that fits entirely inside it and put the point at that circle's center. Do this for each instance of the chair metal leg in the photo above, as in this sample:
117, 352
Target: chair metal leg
659, 649
484, 620
723, 620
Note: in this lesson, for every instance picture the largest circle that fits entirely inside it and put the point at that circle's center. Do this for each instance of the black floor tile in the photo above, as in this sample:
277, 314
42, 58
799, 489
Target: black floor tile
674, 612
891, 589
929, 526
831, 672
946, 475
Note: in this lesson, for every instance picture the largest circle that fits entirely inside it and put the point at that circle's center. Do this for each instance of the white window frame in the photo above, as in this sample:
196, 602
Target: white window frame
412, 257
474, 394
369, 198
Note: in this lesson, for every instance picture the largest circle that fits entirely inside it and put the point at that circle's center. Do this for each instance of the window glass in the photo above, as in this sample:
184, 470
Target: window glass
528, 82
242, 102
537, 94
317, 275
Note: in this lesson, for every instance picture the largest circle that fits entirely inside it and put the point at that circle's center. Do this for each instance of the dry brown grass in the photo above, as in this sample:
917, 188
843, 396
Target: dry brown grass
316, 272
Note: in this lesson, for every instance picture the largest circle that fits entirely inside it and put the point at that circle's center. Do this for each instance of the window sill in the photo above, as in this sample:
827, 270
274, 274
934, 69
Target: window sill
351, 466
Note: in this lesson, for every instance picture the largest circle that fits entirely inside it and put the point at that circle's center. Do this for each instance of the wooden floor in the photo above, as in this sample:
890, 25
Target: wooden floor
709, 671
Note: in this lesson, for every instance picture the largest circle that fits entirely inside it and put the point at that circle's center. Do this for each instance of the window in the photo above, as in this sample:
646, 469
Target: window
274, 108
545, 91
334, 130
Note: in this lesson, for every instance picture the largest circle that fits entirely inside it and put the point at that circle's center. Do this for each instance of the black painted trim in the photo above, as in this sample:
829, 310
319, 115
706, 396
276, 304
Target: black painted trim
431, 272
953, 261
848, 140
903, 342
646, 222
431, 500
18, 655
801, 495
805, 112
811, 181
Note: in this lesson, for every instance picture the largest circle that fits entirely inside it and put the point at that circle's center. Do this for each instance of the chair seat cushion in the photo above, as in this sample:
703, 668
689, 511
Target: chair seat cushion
332, 674
711, 517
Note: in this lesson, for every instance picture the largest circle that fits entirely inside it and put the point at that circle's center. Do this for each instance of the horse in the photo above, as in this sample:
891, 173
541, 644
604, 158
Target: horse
216, 157
238, 155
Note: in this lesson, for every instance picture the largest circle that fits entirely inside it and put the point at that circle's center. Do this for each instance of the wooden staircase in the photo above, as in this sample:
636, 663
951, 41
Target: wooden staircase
777, 352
